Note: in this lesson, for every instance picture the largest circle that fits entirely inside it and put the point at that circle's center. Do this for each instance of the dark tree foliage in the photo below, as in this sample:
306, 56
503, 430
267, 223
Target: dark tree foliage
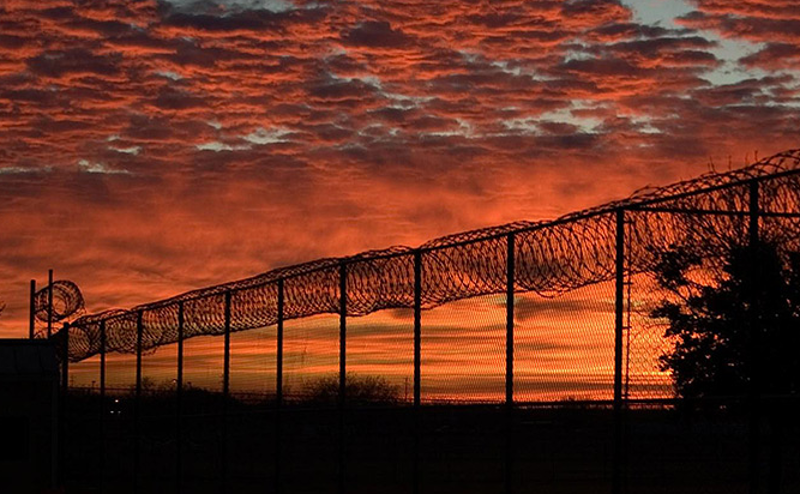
712, 324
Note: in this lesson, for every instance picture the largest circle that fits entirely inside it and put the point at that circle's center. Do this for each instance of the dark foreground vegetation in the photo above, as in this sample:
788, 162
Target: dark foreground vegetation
234, 446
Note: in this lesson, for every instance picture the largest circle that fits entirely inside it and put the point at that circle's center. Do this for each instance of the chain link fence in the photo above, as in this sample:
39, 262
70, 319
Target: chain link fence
522, 358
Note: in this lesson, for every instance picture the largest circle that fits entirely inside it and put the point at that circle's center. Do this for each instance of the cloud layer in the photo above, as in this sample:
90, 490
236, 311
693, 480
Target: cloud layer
149, 148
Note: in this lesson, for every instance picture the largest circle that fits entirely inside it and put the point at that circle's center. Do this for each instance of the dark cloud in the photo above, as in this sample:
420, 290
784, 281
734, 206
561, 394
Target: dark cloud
173, 99
56, 64
376, 34
228, 25
774, 56
627, 30
777, 24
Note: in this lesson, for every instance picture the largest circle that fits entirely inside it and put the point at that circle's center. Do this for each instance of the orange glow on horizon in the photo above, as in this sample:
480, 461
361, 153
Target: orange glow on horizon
563, 351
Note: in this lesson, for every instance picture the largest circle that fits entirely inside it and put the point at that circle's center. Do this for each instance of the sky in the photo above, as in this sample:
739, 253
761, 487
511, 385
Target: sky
152, 147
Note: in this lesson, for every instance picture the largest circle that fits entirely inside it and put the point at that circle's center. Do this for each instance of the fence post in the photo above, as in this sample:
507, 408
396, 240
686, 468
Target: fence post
62, 434
279, 392
102, 404
65, 360
510, 279
49, 303
32, 315
618, 467
279, 353
179, 405
226, 358
137, 401
342, 371
103, 365
226, 389
754, 440
415, 474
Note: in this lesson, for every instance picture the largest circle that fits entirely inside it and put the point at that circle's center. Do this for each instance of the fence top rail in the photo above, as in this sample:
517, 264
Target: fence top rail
771, 168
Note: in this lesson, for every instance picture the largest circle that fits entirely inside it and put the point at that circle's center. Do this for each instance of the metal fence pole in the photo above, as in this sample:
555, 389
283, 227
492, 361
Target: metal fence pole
342, 373
49, 303
618, 467
65, 360
102, 404
415, 474
279, 393
62, 434
103, 365
754, 392
279, 353
226, 390
226, 358
32, 315
137, 401
510, 278
179, 404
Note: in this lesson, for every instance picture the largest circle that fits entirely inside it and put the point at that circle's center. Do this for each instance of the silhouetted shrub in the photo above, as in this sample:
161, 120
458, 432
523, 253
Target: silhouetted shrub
359, 390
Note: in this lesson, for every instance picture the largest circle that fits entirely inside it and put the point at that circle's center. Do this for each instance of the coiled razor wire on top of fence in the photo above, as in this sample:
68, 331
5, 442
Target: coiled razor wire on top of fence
67, 301
551, 257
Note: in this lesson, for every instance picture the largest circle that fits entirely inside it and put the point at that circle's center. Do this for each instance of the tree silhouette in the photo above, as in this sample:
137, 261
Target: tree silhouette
711, 316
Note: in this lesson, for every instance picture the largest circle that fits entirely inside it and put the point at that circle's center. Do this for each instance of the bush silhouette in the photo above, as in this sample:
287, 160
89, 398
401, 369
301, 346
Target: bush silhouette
359, 390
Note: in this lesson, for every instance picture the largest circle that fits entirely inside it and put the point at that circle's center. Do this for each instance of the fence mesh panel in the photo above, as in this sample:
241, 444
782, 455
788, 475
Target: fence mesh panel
120, 374
310, 437
564, 346
380, 358
645, 343
157, 422
84, 415
311, 359
463, 351
160, 371
203, 364
202, 410
253, 364
380, 389
85, 375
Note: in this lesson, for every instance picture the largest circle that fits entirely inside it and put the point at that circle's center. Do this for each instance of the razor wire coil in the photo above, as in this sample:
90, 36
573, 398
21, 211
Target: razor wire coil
551, 257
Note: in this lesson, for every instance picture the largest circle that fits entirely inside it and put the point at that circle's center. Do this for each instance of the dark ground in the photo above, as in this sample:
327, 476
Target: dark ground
462, 449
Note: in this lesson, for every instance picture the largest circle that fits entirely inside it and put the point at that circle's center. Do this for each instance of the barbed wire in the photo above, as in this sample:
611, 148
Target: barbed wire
551, 257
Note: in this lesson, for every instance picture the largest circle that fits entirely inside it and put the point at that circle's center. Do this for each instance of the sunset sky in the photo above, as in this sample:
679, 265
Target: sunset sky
152, 147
